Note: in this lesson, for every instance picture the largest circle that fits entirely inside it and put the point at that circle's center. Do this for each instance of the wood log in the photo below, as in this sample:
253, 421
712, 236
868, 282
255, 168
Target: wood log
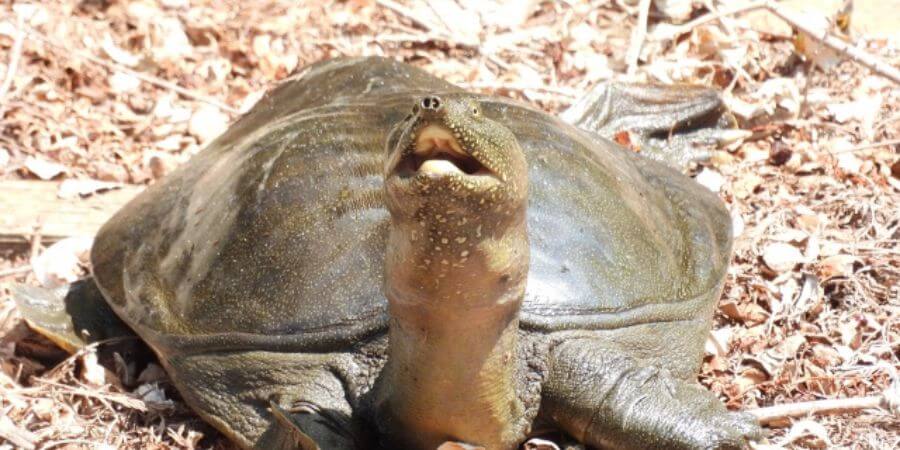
29, 207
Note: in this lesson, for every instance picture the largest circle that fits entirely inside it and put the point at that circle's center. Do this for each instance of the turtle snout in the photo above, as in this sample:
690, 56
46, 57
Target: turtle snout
431, 103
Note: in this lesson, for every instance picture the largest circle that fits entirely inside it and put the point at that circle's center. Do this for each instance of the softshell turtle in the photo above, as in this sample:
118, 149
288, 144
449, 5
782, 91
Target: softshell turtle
374, 257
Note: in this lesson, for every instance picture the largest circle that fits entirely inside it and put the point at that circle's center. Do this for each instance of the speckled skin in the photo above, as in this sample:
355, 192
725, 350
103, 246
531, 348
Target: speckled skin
267, 272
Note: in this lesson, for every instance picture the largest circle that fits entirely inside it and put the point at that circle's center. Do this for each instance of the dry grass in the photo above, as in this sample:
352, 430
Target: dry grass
126, 90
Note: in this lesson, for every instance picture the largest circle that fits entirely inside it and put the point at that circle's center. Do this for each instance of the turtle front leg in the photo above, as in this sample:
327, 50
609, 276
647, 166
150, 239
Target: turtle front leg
611, 401
270, 400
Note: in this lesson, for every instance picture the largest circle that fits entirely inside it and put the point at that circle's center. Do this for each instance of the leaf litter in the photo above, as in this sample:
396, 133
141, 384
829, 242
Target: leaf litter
123, 92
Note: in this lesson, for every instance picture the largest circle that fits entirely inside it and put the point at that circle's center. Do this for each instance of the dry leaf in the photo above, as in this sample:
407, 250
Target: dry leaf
153, 373
824, 356
710, 179
160, 163
123, 83
749, 313
72, 188
118, 54
781, 257
207, 123
45, 170
851, 333
34, 14
44, 408
718, 342
737, 224
153, 396
170, 40
860, 110
250, 100
808, 222
809, 432
849, 163
62, 262
676, 10
892, 395
837, 266
4, 158
743, 186
171, 143
503, 14
92, 372
110, 172
175, 4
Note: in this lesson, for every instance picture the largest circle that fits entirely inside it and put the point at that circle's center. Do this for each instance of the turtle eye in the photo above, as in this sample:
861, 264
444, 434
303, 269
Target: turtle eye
475, 111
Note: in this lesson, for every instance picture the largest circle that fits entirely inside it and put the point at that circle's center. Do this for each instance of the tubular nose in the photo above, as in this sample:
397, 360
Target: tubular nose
431, 103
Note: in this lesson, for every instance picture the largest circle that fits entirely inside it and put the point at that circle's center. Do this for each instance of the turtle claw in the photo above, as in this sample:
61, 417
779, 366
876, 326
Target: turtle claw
735, 431
306, 426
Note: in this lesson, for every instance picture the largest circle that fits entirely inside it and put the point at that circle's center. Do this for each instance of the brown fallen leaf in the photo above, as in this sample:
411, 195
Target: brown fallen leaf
837, 266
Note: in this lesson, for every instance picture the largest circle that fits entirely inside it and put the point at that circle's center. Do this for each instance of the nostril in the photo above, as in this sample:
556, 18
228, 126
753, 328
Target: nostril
431, 102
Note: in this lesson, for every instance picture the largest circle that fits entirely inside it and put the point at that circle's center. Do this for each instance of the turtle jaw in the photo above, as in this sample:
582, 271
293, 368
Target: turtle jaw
434, 155
446, 155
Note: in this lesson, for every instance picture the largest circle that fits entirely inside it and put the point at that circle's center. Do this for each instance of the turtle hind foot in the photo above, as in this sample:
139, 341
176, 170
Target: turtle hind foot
673, 124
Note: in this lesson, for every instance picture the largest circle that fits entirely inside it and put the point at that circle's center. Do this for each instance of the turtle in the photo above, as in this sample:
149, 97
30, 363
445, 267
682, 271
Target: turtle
373, 257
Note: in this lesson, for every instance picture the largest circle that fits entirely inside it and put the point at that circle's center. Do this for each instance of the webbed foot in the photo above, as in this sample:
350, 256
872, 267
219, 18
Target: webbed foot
611, 401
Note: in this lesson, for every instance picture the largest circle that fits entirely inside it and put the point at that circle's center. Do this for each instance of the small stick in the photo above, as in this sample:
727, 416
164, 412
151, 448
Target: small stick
14, 271
14, 57
867, 147
18, 437
35, 242
13, 66
834, 406
406, 12
871, 62
139, 75
638, 35
706, 18
838, 45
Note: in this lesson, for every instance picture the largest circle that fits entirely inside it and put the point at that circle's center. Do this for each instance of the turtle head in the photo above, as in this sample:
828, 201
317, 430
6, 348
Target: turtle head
447, 149
456, 186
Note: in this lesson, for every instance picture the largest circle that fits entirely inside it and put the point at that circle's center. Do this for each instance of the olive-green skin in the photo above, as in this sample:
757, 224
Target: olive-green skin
256, 272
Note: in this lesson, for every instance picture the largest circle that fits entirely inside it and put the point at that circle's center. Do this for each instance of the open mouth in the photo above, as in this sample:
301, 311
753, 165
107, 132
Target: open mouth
437, 152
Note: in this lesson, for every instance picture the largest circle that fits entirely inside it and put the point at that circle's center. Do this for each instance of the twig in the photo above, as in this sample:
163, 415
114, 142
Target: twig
409, 14
706, 18
838, 45
834, 406
872, 63
14, 271
139, 75
13, 66
16, 436
126, 400
866, 147
35, 242
638, 35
